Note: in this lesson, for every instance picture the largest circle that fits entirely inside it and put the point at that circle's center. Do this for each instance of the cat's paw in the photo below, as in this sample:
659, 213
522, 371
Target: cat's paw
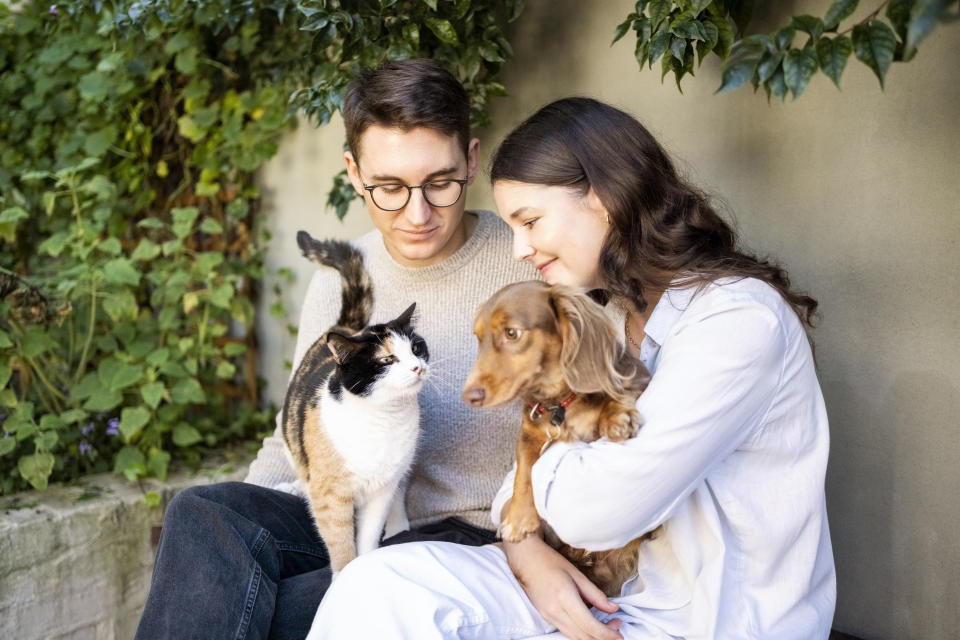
515, 527
620, 425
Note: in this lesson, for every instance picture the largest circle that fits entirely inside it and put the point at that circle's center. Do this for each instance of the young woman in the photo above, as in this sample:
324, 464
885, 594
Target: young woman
732, 454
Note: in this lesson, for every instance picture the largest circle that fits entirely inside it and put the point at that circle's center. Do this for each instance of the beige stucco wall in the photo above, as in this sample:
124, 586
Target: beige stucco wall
857, 192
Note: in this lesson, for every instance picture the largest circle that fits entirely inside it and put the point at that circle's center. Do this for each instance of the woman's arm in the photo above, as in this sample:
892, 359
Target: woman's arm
719, 370
558, 590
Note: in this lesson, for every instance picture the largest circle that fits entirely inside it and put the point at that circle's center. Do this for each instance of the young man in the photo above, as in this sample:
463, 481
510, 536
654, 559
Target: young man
243, 560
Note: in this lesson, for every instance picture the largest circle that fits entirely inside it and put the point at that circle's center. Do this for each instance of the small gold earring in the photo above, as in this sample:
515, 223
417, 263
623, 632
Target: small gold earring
607, 215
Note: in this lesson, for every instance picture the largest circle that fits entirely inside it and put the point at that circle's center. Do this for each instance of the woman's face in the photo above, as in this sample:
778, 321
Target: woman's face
557, 230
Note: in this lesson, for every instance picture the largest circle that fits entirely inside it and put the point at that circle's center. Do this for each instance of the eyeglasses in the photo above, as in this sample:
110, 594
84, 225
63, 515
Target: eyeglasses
394, 196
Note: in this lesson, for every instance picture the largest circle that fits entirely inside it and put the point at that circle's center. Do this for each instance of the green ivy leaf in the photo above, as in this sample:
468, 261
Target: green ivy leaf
226, 370
147, 250
94, 86
898, 11
923, 18
833, 55
839, 11
131, 462
97, 142
153, 393
104, 400
874, 45
5, 373
659, 10
7, 444
740, 67
211, 226
190, 130
659, 43
187, 391
811, 24
768, 65
36, 469
132, 420
55, 244
232, 349
623, 27
46, 440
121, 271
88, 385
36, 341
73, 415
798, 67
116, 375
110, 246
158, 461
185, 435
443, 30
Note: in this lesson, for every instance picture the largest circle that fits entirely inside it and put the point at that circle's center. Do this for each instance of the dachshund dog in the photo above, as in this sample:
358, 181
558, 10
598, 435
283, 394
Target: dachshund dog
558, 351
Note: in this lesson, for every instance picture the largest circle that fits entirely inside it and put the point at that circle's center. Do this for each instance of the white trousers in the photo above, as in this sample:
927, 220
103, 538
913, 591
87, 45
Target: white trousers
437, 590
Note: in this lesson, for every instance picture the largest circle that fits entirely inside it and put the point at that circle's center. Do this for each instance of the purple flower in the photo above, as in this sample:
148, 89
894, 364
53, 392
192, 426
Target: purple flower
87, 430
113, 426
84, 448
6, 434
53, 9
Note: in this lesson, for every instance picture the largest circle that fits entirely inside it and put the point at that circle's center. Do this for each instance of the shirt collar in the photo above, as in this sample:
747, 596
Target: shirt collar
669, 308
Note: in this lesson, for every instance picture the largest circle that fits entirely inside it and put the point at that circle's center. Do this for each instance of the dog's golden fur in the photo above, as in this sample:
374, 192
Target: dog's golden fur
542, 344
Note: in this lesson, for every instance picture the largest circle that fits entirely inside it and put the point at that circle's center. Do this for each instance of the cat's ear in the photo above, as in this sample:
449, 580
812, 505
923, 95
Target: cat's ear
405, 317
342, 347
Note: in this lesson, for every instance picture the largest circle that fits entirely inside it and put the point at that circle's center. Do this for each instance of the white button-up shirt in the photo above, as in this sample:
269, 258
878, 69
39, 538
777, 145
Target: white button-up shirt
731, 460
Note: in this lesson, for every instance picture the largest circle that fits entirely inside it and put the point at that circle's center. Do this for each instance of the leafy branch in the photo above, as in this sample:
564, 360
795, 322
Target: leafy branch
683, 32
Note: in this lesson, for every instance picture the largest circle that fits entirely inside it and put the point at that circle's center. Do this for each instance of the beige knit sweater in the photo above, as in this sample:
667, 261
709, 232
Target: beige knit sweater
464, 453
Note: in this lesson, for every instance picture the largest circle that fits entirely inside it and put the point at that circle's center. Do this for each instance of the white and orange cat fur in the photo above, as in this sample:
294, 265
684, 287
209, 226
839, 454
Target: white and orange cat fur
351, 418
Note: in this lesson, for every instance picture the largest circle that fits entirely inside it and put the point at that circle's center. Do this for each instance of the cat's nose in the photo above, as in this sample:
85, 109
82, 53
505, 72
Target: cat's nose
474, 396
418, 370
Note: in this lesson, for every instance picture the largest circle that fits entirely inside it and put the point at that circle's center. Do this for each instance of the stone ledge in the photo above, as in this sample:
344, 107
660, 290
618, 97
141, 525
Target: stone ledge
75, 562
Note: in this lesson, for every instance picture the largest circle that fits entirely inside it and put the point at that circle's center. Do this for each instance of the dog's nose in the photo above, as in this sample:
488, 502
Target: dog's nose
474, 396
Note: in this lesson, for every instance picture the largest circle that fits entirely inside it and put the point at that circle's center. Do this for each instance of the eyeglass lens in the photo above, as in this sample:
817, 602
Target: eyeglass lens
438, 193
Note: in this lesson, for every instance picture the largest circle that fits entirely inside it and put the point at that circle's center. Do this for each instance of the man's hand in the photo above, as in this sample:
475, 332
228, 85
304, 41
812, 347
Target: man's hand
559, 591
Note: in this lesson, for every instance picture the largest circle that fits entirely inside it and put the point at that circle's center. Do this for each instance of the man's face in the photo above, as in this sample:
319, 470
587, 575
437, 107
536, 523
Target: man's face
419, 234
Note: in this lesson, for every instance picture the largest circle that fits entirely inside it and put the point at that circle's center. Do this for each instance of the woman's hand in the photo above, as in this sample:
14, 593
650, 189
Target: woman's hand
559, 591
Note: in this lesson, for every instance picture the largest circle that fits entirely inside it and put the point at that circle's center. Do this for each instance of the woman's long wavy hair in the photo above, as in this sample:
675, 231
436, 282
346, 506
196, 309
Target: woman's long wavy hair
663, 229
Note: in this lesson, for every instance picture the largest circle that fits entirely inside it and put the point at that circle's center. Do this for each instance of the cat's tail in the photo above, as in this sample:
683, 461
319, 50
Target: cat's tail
357, 290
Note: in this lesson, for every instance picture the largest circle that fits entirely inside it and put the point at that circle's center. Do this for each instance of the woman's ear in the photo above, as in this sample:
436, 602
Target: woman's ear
595, 204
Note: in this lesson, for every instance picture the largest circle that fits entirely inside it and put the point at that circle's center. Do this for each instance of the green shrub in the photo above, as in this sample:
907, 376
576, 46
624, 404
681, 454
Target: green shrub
131, 246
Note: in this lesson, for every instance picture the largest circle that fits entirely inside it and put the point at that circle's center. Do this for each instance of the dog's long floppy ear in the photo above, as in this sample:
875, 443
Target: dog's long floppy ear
590, 352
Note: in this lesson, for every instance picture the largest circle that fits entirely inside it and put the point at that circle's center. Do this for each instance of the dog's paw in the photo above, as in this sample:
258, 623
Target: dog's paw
621, 425
515, 529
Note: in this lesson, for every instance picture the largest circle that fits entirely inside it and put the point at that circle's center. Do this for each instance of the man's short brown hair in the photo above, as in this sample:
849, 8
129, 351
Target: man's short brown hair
406, 94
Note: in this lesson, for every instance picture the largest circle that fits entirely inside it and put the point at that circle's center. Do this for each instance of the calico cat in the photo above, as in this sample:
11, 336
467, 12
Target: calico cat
351, 419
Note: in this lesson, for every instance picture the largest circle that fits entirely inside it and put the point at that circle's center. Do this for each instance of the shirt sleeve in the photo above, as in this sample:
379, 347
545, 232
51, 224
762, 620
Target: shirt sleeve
719, 369
321, 307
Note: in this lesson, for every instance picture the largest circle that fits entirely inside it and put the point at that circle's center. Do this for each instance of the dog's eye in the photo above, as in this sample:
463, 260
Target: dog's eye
511, 333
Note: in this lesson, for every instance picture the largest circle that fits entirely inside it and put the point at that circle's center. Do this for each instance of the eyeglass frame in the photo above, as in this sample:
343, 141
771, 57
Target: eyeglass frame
370, 187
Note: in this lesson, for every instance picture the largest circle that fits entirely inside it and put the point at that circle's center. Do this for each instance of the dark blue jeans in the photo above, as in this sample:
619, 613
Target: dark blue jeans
243, 562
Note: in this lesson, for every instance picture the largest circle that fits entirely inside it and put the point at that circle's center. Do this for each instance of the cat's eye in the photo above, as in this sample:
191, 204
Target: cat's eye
511, 333
417, 348
388, 359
